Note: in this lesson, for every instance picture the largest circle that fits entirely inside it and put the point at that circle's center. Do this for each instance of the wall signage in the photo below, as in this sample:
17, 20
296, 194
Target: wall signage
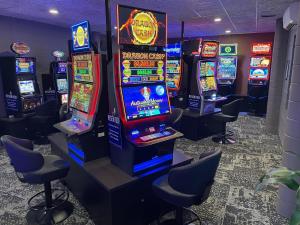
141, 27
20, 48
209, 49
81, 36
262, 48
228, 49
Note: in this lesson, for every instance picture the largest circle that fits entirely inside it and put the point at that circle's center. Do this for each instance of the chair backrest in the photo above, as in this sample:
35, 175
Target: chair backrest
63, 112
175, 116
232, 108
22, 157
196, 177
48, 108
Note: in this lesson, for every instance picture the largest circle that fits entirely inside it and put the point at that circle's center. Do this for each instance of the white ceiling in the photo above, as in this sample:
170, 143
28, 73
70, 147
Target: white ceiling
240, 16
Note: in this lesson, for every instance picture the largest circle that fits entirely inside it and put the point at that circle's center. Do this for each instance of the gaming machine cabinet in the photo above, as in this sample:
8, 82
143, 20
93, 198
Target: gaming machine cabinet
21, 90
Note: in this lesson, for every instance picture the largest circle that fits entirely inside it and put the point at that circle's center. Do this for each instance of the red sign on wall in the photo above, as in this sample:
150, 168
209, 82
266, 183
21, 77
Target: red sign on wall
210, 49
262, 48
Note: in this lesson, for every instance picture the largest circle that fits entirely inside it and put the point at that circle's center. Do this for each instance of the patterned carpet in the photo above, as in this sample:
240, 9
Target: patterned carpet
232, 200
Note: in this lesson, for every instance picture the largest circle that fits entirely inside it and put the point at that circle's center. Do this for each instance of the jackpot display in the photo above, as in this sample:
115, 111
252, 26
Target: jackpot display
145, 101
25, 65
81, 36
173, 74
140, 67
83, 67
61, 67
227, 67
141, 27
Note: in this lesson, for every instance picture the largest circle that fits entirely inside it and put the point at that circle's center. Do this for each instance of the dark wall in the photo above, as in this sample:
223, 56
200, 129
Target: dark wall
244, 44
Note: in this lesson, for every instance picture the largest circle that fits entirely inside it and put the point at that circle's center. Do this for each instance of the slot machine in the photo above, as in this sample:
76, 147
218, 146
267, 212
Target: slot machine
174, 73
88, 102
21, 90
59, 72
259, 76
203, 88
140, 140
227, 69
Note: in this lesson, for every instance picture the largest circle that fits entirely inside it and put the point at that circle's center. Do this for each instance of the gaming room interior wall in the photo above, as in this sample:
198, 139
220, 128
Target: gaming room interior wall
244, 45
42, 38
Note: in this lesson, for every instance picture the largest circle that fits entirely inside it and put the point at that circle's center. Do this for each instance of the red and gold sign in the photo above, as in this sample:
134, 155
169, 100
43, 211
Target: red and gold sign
210, 49
141, 27
20, 48
262, 48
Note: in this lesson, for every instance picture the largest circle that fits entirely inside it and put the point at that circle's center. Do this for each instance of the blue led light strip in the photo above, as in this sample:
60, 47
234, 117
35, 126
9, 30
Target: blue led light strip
76, 150
151, 163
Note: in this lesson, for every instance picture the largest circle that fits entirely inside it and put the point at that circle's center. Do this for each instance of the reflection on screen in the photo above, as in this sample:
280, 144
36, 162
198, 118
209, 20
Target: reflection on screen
62, 84
81, 96
26, 86
145, 101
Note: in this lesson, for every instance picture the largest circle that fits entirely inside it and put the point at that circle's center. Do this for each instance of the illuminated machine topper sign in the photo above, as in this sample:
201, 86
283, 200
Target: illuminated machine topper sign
262, 48
20, 48
142, 67
228, 49
141, 27
81, 36
210, 49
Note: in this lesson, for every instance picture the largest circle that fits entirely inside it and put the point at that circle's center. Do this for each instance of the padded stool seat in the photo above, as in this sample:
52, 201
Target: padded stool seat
54, 168
33, 168
163, 190
187, 185
229, 113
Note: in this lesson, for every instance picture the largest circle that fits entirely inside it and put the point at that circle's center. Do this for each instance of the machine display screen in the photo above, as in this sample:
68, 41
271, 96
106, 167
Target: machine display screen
145, 101
61, 67
260, 61
24, 65
64, 98
208, 84
62, 84
83, 68
173, 73
173, 50
227, 67
207, 68
259, 73
26, 86
81, 96
141, 67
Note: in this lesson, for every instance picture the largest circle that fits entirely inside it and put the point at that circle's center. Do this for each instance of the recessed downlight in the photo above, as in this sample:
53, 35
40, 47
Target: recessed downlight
218, 19
227, 31
53, 11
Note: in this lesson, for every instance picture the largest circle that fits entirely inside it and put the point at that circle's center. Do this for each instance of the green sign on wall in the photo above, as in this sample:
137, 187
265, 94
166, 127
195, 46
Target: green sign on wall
228, 49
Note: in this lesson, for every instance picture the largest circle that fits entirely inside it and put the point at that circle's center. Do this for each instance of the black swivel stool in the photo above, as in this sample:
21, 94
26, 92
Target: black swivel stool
175, 118
41, 124
229, 113
188, 185
33, 168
